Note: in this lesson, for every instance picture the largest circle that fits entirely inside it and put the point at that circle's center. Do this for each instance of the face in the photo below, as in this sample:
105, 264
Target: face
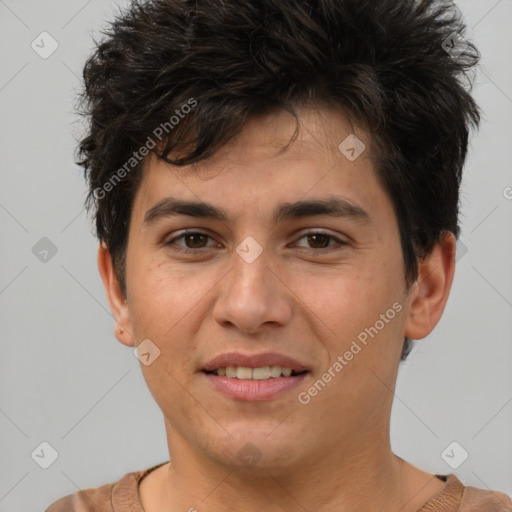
318, 289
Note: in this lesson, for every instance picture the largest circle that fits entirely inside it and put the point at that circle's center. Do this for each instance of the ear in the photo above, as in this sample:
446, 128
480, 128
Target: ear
116, 299
432, 288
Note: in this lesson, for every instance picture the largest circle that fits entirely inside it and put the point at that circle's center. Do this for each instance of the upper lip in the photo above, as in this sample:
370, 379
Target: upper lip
254, 361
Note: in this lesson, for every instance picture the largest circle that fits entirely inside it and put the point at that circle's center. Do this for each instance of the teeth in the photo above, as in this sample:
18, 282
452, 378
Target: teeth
243, 373
231, 372
262, 373
286, 371
275, 371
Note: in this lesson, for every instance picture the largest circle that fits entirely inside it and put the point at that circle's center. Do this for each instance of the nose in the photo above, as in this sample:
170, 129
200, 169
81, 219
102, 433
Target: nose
252, 295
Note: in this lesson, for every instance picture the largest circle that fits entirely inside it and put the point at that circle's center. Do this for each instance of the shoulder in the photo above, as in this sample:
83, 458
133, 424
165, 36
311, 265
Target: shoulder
87, 500
456, 497
477, 500
113, 497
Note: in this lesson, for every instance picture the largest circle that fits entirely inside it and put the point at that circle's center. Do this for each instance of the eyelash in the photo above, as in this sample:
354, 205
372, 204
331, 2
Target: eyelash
185, 250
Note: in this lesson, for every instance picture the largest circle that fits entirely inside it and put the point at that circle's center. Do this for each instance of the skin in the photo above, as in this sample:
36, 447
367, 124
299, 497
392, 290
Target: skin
297, 298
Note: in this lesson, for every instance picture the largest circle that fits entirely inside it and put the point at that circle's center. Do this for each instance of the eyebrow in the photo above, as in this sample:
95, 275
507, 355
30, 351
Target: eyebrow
335, 206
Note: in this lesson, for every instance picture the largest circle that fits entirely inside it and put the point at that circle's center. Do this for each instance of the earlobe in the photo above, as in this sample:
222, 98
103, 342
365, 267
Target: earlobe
115, 297
432, 288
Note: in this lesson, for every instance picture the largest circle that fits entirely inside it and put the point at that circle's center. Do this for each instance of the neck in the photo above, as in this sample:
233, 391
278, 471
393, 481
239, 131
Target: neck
355, 478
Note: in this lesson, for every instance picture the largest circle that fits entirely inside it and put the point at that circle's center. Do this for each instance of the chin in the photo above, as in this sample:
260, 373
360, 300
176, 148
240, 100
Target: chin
265, 445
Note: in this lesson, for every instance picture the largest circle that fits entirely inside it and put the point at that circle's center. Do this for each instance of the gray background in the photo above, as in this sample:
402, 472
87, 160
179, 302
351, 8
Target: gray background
66, 381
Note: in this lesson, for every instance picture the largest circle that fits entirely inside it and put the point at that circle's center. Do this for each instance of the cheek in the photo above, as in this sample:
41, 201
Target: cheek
167, 307
355, 304
163, 296
343, 298
165, 303
366, 318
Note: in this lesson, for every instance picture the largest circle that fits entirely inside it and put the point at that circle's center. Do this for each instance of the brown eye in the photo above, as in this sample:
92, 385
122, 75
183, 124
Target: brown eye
194, 241
318, 241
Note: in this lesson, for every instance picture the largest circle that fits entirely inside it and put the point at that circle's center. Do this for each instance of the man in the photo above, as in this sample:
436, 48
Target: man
275, 187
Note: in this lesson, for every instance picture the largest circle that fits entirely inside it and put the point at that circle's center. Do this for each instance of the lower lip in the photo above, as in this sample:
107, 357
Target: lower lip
255, 390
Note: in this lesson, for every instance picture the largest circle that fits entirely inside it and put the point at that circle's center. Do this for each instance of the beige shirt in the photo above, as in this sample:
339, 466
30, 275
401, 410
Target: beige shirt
123, 496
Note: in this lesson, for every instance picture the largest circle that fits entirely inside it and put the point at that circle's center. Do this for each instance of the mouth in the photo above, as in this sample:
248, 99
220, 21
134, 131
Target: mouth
259, 373
255, 377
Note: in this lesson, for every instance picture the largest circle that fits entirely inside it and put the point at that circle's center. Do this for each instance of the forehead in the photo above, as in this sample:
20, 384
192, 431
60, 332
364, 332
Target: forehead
315, 130
261, 167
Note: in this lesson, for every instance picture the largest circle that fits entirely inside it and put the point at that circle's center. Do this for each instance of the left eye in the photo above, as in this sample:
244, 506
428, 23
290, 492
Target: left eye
318, 238
195, 240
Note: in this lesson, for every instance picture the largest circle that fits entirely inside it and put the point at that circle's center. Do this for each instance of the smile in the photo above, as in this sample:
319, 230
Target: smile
260, 373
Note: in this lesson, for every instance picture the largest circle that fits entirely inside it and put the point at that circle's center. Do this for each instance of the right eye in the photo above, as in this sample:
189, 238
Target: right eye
194, 241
